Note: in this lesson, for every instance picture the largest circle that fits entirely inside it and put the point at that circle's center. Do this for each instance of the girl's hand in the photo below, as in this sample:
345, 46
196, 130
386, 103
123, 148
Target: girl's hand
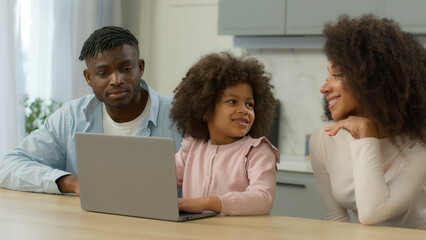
358, 127
198, 205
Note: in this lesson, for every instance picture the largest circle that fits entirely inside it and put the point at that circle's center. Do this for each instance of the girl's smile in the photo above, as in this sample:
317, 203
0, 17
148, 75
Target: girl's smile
242, 121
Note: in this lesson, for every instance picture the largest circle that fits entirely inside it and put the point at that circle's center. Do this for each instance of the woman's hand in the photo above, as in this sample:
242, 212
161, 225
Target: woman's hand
198, 205
358, 127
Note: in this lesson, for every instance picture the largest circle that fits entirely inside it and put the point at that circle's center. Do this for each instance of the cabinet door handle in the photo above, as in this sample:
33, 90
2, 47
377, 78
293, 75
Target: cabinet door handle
288, 184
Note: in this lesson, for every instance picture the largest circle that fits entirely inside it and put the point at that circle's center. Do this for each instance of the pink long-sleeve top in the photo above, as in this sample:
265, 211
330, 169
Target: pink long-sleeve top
380, 183
242, 174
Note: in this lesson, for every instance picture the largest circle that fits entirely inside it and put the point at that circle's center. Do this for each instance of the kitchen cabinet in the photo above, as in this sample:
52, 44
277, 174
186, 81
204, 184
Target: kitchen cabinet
251, 17
410, 14
307, 17
296, 195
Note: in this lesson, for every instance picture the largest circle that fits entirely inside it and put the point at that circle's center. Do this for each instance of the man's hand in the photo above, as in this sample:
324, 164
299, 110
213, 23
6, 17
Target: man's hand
198, 205
68, 184
358, 127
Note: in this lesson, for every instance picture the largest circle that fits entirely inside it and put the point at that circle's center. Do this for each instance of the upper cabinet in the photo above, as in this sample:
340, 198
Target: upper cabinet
252, 17
307, 17
410, 14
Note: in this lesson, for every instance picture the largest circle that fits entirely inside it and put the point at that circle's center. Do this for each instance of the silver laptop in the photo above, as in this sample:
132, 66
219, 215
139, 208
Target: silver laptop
129, 175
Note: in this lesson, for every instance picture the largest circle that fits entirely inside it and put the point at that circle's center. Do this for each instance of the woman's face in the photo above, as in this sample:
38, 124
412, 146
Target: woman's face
340, 101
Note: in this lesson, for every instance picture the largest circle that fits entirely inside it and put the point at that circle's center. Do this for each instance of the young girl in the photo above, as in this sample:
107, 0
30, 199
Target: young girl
224, 164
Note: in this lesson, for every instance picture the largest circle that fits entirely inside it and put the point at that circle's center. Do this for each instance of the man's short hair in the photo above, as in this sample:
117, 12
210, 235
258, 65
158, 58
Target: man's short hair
107, 38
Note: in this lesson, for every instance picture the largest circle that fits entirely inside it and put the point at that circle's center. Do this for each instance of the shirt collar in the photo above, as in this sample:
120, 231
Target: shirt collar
155, 103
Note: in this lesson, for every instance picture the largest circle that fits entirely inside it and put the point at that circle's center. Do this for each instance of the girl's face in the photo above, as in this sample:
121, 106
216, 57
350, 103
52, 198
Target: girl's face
340, 101
233, 114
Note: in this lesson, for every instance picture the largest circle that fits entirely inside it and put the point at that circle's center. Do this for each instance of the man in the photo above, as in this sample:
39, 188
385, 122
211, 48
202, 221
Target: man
122, 103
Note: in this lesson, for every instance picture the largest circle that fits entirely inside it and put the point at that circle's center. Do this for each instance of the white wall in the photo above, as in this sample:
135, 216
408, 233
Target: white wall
180, 31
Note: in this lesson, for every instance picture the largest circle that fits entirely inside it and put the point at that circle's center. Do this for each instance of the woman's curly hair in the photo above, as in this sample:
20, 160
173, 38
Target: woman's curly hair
203, 85
385, 70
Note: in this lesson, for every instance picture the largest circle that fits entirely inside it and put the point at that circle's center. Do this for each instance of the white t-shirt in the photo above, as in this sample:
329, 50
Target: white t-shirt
127, 128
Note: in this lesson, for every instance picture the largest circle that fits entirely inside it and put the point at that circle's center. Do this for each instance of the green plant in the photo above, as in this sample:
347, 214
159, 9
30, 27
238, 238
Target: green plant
36, 111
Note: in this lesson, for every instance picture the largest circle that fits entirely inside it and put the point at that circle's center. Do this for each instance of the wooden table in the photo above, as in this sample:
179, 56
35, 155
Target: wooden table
45, 216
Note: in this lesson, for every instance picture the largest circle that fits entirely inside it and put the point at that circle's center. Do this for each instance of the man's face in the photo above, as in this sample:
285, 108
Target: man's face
114, 76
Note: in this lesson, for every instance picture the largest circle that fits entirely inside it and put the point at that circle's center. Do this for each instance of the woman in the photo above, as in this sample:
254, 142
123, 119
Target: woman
371, 157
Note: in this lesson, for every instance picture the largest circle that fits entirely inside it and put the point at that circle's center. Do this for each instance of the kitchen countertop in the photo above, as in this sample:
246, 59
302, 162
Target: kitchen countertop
294, 164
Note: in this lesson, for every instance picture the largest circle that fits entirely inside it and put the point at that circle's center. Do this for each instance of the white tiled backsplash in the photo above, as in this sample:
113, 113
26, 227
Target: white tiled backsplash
297, 76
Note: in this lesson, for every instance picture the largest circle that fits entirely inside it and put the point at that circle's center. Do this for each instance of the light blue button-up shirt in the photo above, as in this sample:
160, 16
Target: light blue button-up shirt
49, 152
